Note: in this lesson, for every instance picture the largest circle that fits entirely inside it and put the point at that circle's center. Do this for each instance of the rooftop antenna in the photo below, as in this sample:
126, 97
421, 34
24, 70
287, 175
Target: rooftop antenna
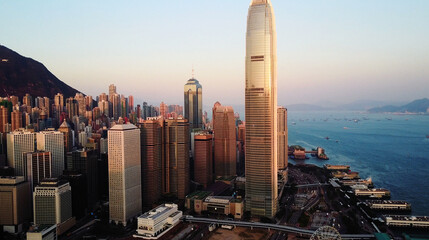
193, 72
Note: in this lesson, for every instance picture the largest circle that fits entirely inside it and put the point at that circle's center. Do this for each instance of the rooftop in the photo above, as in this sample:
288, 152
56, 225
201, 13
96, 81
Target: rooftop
199, 195
122, 127
158, 211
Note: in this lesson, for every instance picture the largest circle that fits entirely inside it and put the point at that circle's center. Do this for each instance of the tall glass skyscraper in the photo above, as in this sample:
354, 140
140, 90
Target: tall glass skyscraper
261, 110
194, 103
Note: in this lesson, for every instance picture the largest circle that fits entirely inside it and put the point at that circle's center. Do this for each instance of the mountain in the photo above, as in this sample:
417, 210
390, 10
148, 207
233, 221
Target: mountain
416, 106
20, 75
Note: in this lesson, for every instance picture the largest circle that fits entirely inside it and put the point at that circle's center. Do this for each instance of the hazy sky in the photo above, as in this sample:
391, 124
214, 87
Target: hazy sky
328, 51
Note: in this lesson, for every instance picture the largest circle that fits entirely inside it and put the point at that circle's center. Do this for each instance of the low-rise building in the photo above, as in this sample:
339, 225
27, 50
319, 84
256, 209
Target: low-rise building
372, 193
42, 232
407, 221
336, 167
158, 221
224, 205
194, 201
389, 205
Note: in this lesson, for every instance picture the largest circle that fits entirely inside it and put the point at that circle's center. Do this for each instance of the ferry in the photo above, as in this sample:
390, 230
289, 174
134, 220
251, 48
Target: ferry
427, 136
327, 138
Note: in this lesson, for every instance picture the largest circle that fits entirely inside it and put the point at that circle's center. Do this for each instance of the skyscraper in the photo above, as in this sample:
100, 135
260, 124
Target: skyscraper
176, 165
151, 160
52, 141
282, 149
261, 110
225, 142
203, 159
72, 107
124, 173
194, 103
19, 142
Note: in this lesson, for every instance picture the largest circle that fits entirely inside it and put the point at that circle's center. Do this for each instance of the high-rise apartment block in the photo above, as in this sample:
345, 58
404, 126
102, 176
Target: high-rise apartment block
225, 140
53, 142
4, 118
65, 129
16, 119
203, 159
124, 173
19, 142
194, 103
261, 110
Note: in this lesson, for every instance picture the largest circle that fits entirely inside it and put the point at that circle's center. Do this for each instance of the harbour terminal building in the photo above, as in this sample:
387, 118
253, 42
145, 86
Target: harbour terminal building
388, 205
158, 221
407, 221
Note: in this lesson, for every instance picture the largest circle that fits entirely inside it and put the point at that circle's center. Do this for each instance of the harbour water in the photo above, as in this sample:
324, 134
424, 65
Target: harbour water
391, 149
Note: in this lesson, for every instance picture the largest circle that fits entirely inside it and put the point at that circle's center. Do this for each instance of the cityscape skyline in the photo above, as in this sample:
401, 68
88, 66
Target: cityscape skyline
373, 54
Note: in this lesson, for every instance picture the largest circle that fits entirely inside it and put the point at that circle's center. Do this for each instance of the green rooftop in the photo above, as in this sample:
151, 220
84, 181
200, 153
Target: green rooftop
199, 195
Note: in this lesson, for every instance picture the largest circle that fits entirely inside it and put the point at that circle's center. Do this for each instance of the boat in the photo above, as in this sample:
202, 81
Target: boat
327, 138
293, 123
427, 136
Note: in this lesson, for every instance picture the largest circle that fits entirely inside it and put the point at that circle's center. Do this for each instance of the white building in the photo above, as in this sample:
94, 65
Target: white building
19, 142
158, 221
53, 141
124, 173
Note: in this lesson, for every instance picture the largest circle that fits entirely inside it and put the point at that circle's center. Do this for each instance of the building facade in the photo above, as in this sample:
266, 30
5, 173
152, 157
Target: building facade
282, 143
261, 110
38, 167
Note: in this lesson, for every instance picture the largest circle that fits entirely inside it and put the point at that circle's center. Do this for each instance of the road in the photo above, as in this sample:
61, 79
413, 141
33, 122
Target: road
269, 226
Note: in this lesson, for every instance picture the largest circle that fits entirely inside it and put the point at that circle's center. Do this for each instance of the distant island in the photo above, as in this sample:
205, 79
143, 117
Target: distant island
416, 106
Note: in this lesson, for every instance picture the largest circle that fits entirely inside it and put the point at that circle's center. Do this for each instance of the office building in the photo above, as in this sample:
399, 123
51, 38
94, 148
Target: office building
282, 143
261, 110
52, 204
19, 142
85, 161
38, 167
15, 207
124, 173
203, 159
80, 103
53, 142
225, 140
176, 164
194, 103
151, 160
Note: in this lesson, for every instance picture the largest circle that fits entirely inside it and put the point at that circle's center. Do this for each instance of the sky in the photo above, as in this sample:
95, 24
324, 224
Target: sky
328, 51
